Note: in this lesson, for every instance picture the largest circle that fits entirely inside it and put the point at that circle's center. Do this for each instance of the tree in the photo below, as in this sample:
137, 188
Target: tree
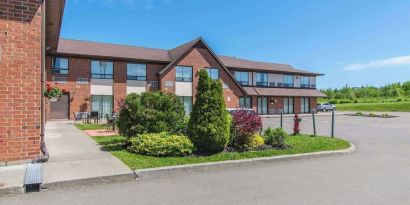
209, 124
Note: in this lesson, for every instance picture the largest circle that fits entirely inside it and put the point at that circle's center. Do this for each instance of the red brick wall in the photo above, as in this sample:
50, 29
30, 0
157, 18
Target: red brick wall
78, 67
313, 103
20, 80
120, 83
296, 105
200, 58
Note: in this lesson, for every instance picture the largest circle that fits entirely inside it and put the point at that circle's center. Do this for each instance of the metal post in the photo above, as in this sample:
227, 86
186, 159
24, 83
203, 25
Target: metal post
333, 124
314, 123
281, 119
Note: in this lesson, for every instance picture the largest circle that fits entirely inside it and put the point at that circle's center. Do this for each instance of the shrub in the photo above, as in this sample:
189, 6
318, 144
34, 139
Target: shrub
161, 144
399, 100
359, 114
256, 140
333, 101
209, 124
244, 125
372, 115
150, 112
275, 137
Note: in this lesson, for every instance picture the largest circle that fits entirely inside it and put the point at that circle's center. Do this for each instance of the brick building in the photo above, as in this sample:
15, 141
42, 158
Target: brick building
24, 38
96, 76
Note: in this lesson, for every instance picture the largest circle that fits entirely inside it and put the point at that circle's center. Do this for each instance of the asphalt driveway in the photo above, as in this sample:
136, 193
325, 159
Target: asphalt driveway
377, 173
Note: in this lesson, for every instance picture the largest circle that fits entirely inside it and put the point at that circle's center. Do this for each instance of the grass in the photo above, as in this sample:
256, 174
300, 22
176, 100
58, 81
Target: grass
403, 106
91, 126
299, 144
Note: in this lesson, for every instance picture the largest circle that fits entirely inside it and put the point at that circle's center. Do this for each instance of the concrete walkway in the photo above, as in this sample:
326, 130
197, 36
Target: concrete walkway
76, 157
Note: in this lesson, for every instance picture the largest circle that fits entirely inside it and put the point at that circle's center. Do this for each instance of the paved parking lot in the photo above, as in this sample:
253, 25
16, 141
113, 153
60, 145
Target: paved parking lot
377, 173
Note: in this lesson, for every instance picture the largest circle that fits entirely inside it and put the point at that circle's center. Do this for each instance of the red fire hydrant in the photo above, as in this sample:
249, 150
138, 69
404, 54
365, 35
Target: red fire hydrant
296, 121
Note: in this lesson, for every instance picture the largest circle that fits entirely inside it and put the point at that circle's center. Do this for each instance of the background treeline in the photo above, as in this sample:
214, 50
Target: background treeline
368, 94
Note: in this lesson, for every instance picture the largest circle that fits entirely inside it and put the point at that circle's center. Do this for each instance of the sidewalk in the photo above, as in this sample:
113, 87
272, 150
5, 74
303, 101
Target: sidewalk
75, 160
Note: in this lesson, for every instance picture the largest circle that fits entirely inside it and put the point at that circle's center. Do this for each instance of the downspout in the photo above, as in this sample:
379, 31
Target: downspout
45, 155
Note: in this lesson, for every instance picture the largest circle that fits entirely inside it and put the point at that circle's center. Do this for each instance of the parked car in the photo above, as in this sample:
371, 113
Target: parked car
325, 107
233, 110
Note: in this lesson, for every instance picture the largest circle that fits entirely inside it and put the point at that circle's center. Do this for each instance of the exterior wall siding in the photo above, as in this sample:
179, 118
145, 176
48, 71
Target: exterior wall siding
20, 80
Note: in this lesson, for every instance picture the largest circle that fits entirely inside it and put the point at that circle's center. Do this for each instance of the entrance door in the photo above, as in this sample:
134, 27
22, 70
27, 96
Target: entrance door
59, 109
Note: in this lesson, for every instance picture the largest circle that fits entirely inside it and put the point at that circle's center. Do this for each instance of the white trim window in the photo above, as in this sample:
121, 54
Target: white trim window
288, 81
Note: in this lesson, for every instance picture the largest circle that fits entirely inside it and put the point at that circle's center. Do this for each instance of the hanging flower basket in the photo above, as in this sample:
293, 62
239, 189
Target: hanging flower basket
53, 99
53, 93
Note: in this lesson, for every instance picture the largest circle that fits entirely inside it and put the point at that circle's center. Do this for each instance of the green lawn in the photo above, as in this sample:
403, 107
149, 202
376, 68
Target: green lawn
403, 106
300, 144
91, 126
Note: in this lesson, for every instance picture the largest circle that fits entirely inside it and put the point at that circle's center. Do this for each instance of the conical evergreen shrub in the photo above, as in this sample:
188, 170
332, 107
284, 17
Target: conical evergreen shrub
209, 124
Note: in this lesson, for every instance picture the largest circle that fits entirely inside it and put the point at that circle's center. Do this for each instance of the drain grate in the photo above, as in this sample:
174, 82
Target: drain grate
34, 177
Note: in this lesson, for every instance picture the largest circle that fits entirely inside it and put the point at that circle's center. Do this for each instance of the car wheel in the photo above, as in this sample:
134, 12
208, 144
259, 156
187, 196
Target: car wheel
324, 110
334, 109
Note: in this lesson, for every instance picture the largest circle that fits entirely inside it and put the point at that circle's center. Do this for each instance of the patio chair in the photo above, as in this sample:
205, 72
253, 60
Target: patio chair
94, 116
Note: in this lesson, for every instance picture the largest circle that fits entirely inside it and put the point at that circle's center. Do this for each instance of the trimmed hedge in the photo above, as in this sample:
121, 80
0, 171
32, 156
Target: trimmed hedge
151, 112
161, 144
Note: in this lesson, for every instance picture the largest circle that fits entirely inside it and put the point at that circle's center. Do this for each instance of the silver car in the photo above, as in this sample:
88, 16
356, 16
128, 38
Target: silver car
325, 107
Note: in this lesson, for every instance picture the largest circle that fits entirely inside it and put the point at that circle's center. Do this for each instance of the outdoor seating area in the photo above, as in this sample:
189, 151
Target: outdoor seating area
95, 121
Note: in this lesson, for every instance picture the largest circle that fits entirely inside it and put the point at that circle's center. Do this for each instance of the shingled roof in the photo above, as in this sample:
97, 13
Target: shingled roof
106, 50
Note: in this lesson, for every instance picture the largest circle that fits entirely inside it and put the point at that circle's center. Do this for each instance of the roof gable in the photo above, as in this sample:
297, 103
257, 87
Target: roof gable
179, 52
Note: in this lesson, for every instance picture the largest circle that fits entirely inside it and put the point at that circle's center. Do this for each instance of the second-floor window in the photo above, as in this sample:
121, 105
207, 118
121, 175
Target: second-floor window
213, 73
261, 79
184, 73
101, 69
59, 66
304, 81
136, 71
288, 80
242, 77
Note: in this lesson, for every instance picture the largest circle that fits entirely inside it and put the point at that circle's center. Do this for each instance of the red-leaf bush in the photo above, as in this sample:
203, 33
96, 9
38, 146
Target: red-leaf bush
244, 125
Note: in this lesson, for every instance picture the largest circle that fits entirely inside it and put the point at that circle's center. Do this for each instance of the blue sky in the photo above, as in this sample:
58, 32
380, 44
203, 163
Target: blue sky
364, 42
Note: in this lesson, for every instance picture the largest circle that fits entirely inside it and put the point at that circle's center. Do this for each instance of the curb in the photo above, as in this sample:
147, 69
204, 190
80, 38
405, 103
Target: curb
183, 169
88, 181
11, 191
50, 186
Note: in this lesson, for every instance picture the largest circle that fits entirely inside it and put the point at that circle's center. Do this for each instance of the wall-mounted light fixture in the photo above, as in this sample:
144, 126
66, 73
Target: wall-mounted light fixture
273, 101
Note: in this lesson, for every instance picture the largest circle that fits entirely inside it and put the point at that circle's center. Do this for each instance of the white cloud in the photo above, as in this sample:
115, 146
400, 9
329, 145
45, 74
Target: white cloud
401, 60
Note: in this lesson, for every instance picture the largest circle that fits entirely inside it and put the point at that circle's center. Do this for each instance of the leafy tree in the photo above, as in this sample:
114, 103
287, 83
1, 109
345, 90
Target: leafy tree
209, 124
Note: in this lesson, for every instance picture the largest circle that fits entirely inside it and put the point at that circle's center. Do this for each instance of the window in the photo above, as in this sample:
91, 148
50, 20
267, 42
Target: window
59, 66
59, 79
288, 105
154, 84
242, 77
261, 79
262, 105
213, 73
304, 105
304, 81
103, 104
187, 101
101, 69
245, 102
136, 71
184, 73
288, 80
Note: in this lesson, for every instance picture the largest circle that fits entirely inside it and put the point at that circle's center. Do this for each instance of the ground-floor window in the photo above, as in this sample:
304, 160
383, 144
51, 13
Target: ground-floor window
288, 105
245, 102
187, 101
262, 105
103, 104
304, 105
